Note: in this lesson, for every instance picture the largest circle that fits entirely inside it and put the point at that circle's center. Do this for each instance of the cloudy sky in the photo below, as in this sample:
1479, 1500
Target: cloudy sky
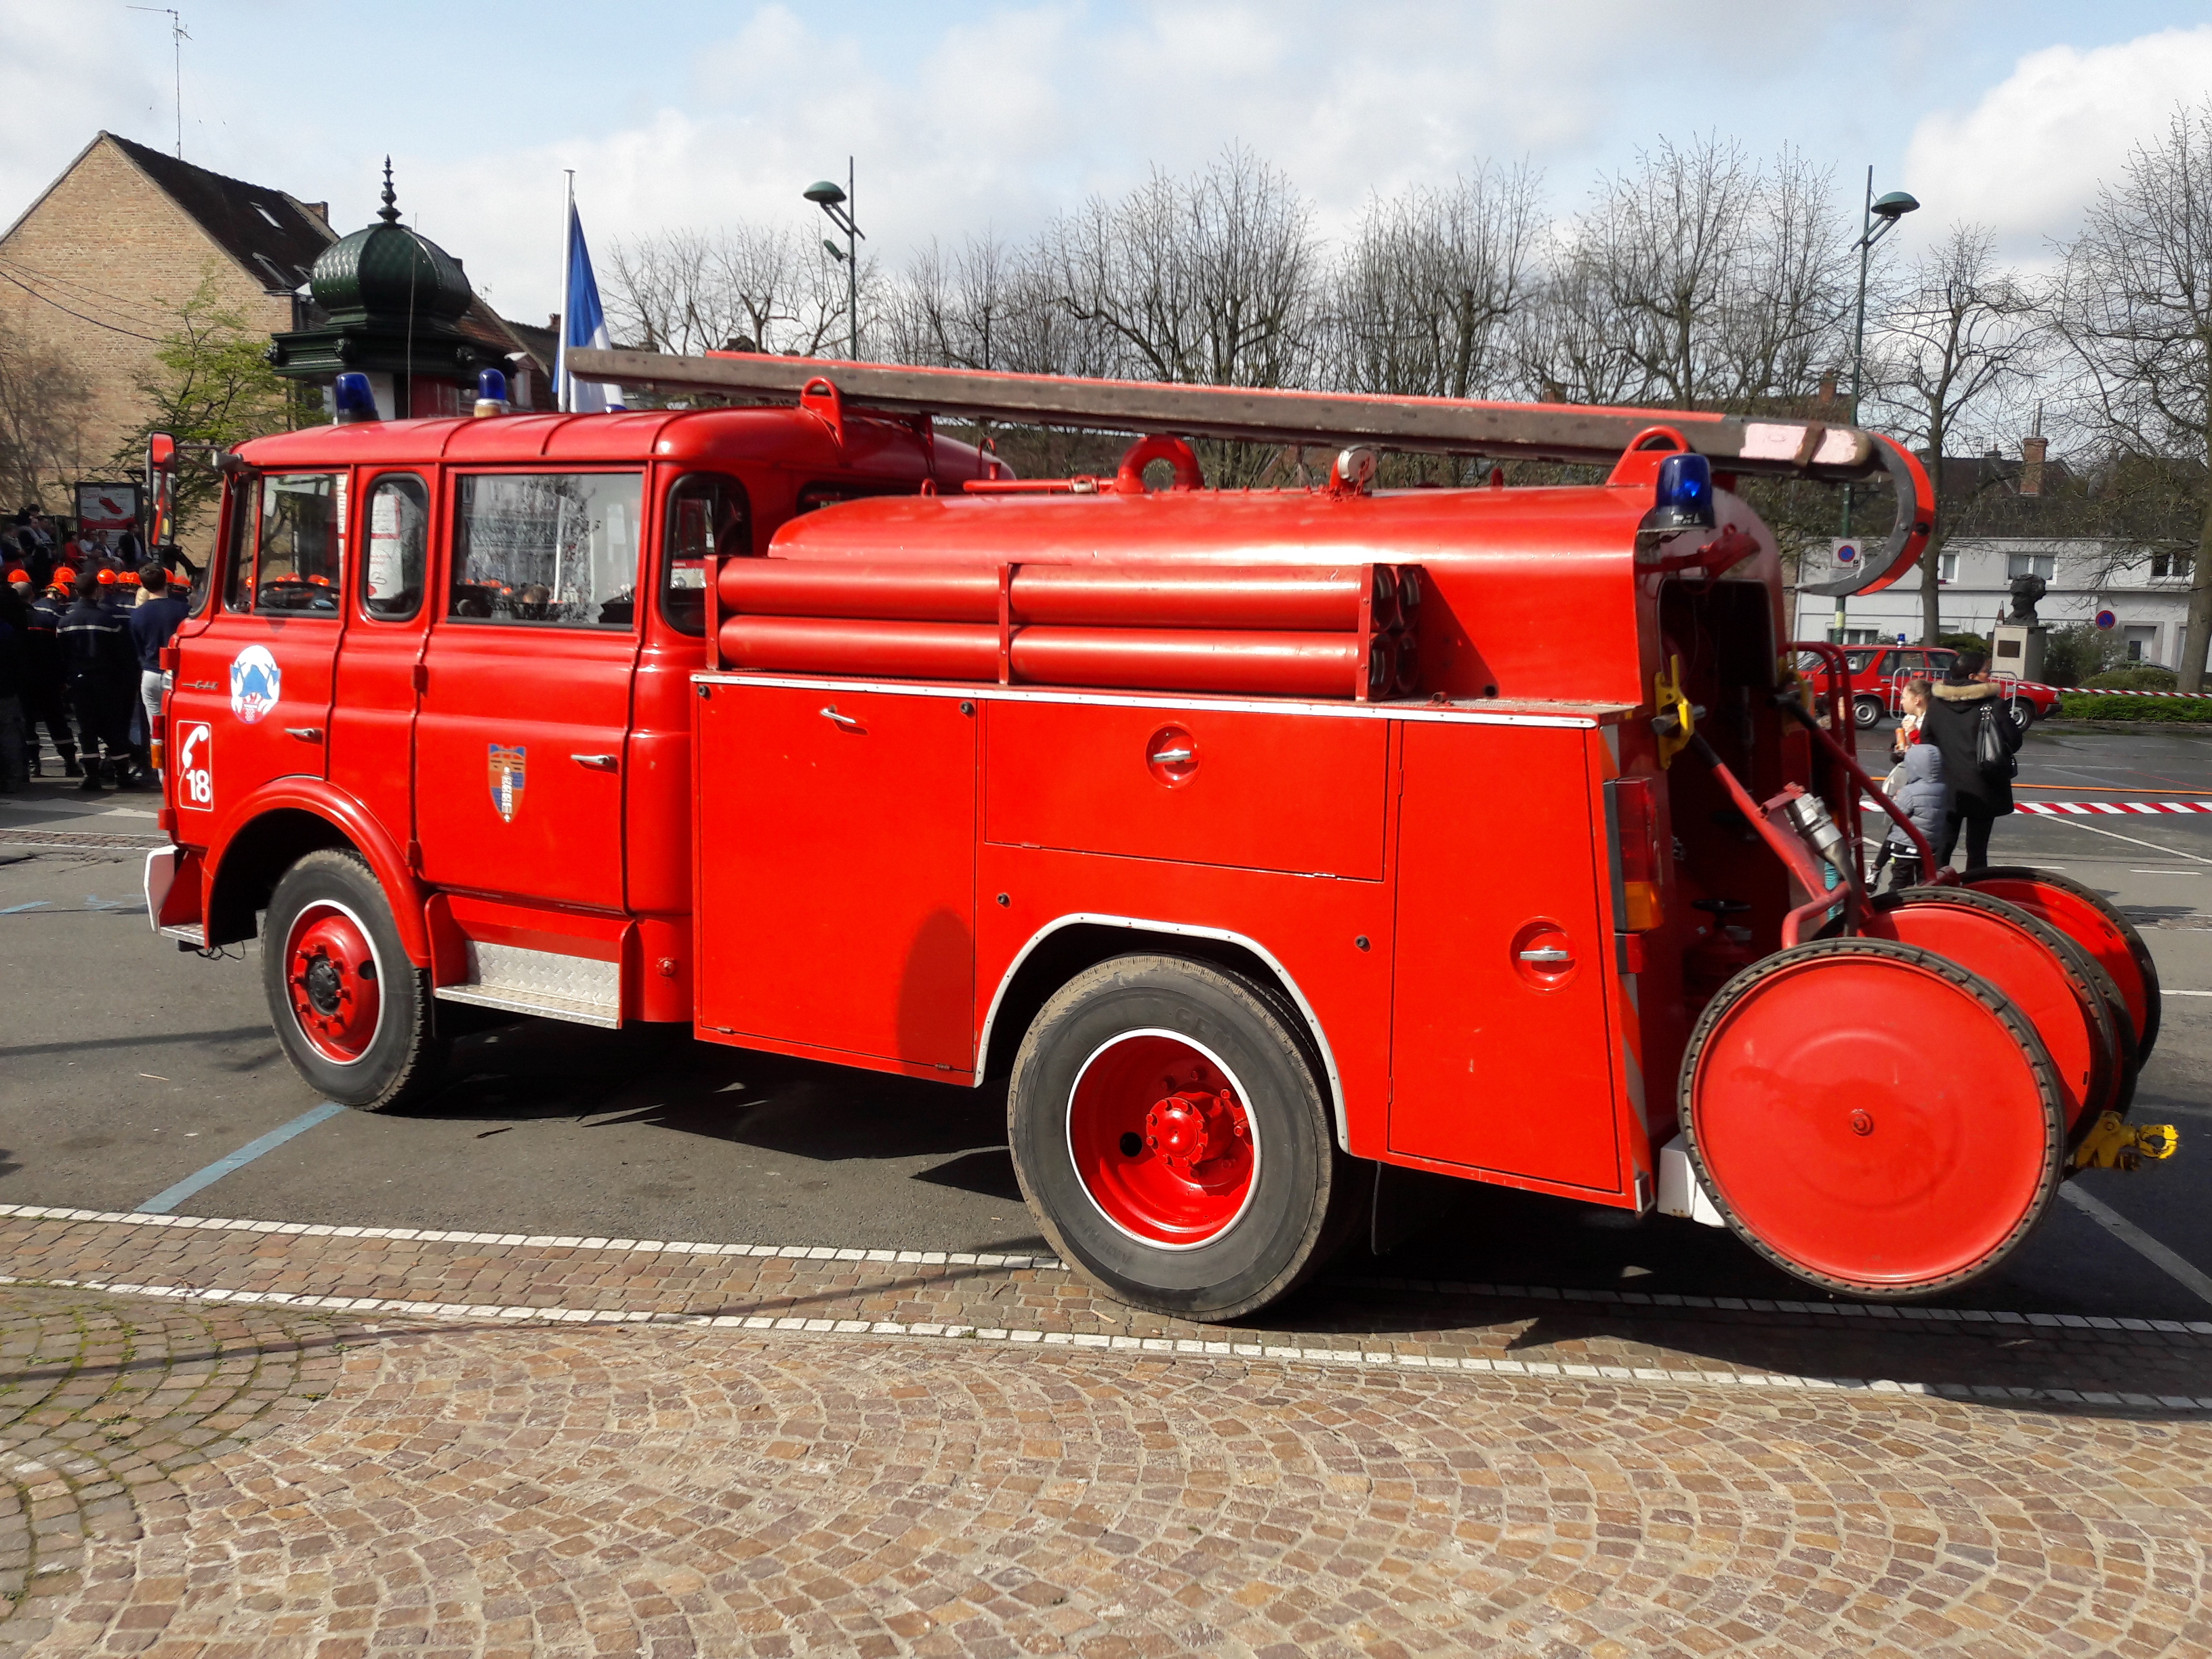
998, 115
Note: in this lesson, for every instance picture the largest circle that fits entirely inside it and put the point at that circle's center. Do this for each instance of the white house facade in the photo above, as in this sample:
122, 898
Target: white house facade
2147, 594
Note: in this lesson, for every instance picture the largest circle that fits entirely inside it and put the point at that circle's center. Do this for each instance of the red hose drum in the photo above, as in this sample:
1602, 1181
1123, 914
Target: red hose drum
2091, 920
2034, 965
1873, 1118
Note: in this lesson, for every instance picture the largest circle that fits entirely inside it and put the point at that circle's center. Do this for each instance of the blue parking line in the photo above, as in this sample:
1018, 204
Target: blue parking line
169, 1197
17, 909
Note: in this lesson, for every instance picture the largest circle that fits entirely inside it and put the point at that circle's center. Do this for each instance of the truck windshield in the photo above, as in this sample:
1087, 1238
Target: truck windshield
550, 549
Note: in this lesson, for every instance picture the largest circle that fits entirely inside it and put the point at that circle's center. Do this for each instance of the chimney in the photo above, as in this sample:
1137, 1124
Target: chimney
2031, 452
1828, 388
321, 209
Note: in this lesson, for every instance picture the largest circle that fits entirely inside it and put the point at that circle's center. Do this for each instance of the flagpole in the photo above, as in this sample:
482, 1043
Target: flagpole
567, 269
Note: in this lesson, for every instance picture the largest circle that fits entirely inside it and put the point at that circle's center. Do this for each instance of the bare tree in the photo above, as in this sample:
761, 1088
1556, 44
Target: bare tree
2135, 308
689, 291
1213, 279
1420, 301
1697, 280
1956, 344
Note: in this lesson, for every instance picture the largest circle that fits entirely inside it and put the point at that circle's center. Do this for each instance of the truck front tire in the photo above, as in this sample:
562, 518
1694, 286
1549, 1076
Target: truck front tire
352, 1012
1171, 1134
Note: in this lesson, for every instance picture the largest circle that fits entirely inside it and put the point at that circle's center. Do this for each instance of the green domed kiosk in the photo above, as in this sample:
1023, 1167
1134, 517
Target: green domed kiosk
388, 302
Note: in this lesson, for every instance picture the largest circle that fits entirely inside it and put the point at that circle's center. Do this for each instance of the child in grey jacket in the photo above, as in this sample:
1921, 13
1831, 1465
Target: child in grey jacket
1920, 794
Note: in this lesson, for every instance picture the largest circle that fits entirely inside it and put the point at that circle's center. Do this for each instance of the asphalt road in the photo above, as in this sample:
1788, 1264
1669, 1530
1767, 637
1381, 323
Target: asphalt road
129, 1066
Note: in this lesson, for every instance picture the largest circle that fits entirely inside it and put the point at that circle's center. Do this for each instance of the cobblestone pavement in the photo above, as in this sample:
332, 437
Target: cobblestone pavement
220, 1478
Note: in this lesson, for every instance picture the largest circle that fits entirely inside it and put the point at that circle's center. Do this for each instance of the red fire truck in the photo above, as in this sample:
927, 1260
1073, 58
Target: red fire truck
1261, 841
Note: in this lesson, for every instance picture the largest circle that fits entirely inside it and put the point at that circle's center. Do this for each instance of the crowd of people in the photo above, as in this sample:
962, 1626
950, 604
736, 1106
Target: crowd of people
83, 616
1953, 748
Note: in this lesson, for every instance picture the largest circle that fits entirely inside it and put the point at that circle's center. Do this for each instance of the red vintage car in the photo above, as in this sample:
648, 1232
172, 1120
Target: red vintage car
1879, 673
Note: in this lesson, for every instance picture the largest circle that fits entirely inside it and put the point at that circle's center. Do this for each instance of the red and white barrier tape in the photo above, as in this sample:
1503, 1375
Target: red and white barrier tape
2082, 807
2096, 691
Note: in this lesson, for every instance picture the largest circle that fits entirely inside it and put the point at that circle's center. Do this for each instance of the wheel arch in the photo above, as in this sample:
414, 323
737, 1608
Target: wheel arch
1065, 946
280, 825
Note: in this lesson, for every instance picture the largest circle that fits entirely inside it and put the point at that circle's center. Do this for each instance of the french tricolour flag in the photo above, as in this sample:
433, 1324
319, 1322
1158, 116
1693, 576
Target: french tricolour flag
583, 323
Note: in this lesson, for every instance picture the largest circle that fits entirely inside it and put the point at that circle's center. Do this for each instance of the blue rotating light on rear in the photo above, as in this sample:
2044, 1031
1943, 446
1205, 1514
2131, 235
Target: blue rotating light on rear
354, 399
1686, 493
491, 385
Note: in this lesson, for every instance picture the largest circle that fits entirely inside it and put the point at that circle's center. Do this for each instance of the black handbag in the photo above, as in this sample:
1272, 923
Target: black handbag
1991, 752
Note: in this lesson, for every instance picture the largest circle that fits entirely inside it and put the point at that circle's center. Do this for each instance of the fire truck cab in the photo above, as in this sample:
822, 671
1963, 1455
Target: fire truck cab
1260, 840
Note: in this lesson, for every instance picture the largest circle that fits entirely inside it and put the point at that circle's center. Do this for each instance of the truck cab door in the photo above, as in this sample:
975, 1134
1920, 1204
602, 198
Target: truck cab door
252, 699
521, 737
373, 715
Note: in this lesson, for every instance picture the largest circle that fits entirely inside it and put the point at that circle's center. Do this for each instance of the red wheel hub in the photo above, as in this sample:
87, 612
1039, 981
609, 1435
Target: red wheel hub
1159, 1136
331, 975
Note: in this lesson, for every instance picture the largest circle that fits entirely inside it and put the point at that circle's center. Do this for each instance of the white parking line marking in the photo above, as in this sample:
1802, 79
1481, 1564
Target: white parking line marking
2176, 1267
2171, 851
1387, 1358
2167, 991
2080, 1325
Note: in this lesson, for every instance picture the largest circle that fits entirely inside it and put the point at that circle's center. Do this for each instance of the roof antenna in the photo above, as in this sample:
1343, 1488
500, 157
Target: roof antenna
177, 38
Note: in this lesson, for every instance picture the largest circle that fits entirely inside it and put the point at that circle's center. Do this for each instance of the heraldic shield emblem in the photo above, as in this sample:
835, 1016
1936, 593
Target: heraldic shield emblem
507, 780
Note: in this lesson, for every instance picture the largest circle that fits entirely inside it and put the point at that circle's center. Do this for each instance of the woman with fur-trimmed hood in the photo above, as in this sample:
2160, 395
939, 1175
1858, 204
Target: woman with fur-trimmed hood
1980, 795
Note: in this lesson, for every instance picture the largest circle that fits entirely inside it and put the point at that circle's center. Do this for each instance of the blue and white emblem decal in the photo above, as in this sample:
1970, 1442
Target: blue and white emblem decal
255, 683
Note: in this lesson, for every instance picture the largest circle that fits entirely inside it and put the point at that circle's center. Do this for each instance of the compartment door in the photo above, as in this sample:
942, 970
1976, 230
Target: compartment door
1501, 1058
836, 852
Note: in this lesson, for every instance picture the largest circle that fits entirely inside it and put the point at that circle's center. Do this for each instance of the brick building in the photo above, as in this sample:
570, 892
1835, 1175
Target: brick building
96, 268
98, 265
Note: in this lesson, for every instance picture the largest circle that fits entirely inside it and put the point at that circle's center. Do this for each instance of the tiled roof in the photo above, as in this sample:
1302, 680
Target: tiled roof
265, 230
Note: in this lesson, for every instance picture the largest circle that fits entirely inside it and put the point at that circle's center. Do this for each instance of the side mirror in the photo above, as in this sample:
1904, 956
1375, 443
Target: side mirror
161, 452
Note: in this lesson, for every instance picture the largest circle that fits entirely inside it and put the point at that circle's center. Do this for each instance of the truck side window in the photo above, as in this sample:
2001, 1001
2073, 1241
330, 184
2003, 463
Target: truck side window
707, 518
547, 549
397, 548
298, 562
238, 549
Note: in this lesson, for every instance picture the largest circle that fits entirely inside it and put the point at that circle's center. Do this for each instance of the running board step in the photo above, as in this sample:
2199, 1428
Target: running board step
542, 982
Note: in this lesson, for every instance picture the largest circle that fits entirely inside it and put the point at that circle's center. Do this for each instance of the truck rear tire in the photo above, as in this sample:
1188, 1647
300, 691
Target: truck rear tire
352, 1012
1172, 1135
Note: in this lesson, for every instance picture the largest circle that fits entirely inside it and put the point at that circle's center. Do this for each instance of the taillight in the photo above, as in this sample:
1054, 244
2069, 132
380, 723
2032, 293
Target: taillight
1636, 850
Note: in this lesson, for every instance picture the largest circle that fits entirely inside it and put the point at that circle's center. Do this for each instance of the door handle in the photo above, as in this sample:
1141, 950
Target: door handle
596, 763
845, 720
305, 733
1547, 953
1171, 756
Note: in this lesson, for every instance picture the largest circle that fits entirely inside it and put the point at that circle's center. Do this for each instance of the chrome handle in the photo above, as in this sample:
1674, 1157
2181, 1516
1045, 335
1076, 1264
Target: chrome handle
845, 720
595, 762
1170, 756
1548, 953
305, 733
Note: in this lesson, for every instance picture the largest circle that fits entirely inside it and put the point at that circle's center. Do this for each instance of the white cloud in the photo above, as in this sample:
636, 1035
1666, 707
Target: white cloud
2029, 157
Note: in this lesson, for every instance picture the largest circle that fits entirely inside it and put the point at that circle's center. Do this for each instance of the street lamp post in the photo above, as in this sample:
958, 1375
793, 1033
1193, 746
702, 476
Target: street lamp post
1892, 208
837, 202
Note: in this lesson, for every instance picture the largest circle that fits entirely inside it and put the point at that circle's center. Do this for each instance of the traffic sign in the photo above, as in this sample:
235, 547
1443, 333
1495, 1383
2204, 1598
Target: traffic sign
2106, 620
1845, 553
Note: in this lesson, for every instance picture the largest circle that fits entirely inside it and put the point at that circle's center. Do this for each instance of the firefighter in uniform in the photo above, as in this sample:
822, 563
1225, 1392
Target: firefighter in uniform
103, 673
46, 683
